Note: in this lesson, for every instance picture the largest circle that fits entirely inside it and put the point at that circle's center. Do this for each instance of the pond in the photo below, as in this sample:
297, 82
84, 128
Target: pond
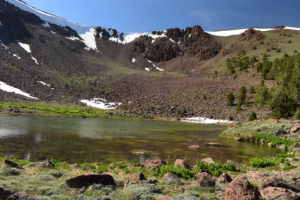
77, 140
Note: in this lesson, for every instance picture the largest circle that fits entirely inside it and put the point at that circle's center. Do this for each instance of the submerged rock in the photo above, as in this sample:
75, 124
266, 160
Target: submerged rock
240, 188
216, 144
194, 147
87, 180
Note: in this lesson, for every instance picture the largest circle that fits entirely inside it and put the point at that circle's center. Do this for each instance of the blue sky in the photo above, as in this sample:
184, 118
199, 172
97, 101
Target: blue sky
148, 15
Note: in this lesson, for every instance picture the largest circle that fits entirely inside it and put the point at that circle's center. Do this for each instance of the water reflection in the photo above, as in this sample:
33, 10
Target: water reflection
81, 140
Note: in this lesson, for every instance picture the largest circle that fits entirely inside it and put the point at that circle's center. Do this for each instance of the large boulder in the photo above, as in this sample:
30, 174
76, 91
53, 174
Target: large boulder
240, 188
182, 164
279, 193
153, 164
171, 177
204, 179
274, 181
87, 180
4, 193
295, 128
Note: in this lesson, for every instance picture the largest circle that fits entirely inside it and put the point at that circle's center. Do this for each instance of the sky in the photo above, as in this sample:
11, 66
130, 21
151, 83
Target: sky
149, 15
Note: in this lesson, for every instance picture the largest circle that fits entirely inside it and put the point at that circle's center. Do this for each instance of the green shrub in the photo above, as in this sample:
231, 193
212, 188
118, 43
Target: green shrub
297, 114
252, 116
230, 99
242, 95
179, 171
87, 166
275, 140
252, 90
102, 167
262, 162
283, 105
216, 169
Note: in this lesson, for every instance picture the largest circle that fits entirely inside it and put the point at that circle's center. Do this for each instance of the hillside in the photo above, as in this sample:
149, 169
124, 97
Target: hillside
173, 73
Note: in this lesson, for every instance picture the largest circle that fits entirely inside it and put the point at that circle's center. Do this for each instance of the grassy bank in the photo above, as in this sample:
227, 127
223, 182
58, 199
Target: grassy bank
69, 110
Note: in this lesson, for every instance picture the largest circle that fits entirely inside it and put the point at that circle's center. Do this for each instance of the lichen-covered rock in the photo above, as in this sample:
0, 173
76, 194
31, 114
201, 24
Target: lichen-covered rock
240, 188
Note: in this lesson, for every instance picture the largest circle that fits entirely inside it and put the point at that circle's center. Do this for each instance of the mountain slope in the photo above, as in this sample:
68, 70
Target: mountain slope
172, 73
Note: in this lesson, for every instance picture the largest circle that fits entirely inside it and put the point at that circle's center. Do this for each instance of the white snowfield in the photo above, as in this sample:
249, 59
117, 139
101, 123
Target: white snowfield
225, 33
155, 66
292, 28
100, 103
203, 120
85, 32
11, 89
26, 47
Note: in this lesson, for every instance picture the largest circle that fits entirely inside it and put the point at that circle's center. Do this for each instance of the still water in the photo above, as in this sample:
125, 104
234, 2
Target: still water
89, 140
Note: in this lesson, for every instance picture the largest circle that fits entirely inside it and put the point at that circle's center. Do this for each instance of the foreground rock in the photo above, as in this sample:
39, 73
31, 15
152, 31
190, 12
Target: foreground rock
153, 164
44, 164
12, 164
279, 193
224, 178
87, 180
22, 196
240, 188
273, 181
182, 164
204, 179
163, 197
136, 178
208, 160
4, 193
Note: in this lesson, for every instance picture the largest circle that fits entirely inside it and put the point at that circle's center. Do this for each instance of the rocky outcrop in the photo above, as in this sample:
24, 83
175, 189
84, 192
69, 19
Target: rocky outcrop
87, 180
251, 34
153, 164
240, 188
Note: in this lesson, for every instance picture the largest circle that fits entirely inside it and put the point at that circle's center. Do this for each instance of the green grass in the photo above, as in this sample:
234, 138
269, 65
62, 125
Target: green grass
274, 140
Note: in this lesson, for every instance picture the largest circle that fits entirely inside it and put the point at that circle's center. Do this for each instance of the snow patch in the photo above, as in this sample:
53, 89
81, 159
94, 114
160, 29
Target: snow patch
73, 38
226, 33
18, 57
155, 66
89, 39
26, 47
100, 103
147, 69
53, 32
44, 84
133, 60
11, 89
35, 60
292, 28
203, 120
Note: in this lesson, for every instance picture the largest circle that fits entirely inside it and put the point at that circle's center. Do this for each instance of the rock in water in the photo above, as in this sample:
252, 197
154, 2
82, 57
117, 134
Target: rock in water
240, 188
87, 180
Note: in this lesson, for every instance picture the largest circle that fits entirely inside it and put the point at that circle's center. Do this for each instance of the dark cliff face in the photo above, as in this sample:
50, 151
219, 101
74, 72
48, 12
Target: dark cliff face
193, 42
12, 20
251, 34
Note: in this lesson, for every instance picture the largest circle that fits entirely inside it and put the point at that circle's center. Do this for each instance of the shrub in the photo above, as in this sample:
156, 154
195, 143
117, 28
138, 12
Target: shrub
179, 171
297, 114
242, 95
252, 90
262, 162
252, 116
283, 105
216, 169
230, 99
87, 166
275, 140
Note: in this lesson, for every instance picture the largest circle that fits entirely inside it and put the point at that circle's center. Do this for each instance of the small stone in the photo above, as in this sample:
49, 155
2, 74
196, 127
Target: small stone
238, 139
194, 147
281, 147
216, 144
182, 164
136, 179
224, 178
269, 144
44, 164
138, 153
75, 166
204, 179
297, 152
208, 160
261, 141
295, 128
171, 177
164, 197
